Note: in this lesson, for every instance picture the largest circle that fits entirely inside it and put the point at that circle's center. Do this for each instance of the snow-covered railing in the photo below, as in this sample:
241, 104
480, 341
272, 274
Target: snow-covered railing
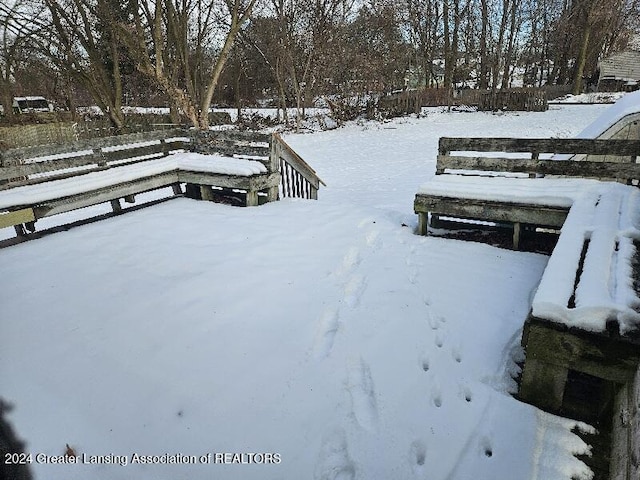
298, 179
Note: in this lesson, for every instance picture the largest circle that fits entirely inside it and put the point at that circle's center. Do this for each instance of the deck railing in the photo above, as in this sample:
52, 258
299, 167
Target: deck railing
298, 178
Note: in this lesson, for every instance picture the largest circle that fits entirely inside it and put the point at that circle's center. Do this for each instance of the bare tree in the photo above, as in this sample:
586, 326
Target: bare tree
19, 24
175, 43
83, 43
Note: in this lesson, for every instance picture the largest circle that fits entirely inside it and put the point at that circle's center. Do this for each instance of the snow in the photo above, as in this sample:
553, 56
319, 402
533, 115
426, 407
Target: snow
554, 192
33, 194
605, 215
592, 97
324, 331
627, 104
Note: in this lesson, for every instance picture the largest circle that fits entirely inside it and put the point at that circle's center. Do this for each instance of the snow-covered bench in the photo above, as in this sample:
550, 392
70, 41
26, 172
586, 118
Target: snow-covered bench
42, 181
499, 179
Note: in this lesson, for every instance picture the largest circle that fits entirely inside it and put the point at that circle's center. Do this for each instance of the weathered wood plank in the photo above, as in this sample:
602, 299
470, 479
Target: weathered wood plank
256, 182
231, 150
16, 217
66, 204
541, 145
495, 211
545, 167
231, 135
596, 354
95, 143
46, 166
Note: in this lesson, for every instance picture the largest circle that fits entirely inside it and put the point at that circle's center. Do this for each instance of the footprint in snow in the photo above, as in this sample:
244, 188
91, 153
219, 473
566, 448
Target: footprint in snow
456, 355
349, 261
439, 340
425, 364
436, 396
418, 458
334, 462
353, 290
485, 447
363, 396
434, 322
467, 394
328, 327
373, 239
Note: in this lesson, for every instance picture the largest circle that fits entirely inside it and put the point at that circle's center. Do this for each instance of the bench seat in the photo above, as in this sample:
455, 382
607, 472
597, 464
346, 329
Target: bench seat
166, 167
551, 192
588, 282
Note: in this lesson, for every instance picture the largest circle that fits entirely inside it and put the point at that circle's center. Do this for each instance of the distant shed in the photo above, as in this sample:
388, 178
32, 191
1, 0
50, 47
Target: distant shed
620, 72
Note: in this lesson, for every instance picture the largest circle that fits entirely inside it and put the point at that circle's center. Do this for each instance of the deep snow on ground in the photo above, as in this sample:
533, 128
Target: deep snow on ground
326, 332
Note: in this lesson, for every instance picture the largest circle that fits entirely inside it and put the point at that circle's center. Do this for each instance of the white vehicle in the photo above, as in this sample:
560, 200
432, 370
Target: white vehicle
31, 105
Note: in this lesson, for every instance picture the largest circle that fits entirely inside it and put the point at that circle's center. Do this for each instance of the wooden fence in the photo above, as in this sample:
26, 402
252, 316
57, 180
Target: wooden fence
523, 100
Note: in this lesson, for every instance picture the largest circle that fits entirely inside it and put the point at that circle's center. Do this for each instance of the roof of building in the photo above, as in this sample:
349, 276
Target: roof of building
623, 65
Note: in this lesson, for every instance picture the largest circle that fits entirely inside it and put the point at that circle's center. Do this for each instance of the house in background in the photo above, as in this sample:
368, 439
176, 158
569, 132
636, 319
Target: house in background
620, 72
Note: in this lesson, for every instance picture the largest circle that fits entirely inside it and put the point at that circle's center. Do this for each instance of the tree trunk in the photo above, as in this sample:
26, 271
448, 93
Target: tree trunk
582, 58
506, 75
483, 81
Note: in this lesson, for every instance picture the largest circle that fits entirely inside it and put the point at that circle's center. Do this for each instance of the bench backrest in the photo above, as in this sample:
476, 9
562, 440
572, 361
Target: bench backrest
239, 144
467, 157
49, 162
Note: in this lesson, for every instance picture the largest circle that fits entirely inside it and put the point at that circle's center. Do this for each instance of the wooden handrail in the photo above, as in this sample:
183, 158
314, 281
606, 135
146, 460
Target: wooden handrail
298, 178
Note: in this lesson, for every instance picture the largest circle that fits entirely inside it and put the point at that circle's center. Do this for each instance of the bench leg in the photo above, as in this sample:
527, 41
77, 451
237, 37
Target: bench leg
252, 198
272, 194
543, 384
130, 198
206, 193
516, 235
115, 205
177, 189
423, 219
30, 226
20, 231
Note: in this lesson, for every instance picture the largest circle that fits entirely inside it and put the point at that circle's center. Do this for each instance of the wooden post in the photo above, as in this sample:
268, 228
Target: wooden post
516, 235
272, 194
164, 147
252, 198
543, 383
274, 153
423, 219
177, 189
130, 198
20, 231
99, 157
115, 205
206, 193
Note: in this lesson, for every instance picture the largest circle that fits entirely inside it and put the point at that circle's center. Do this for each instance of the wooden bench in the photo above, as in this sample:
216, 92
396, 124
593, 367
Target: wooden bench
472, 183
582, 337
38, 182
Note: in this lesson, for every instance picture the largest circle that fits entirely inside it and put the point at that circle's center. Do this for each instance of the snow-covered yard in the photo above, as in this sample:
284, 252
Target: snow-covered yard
324, 332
